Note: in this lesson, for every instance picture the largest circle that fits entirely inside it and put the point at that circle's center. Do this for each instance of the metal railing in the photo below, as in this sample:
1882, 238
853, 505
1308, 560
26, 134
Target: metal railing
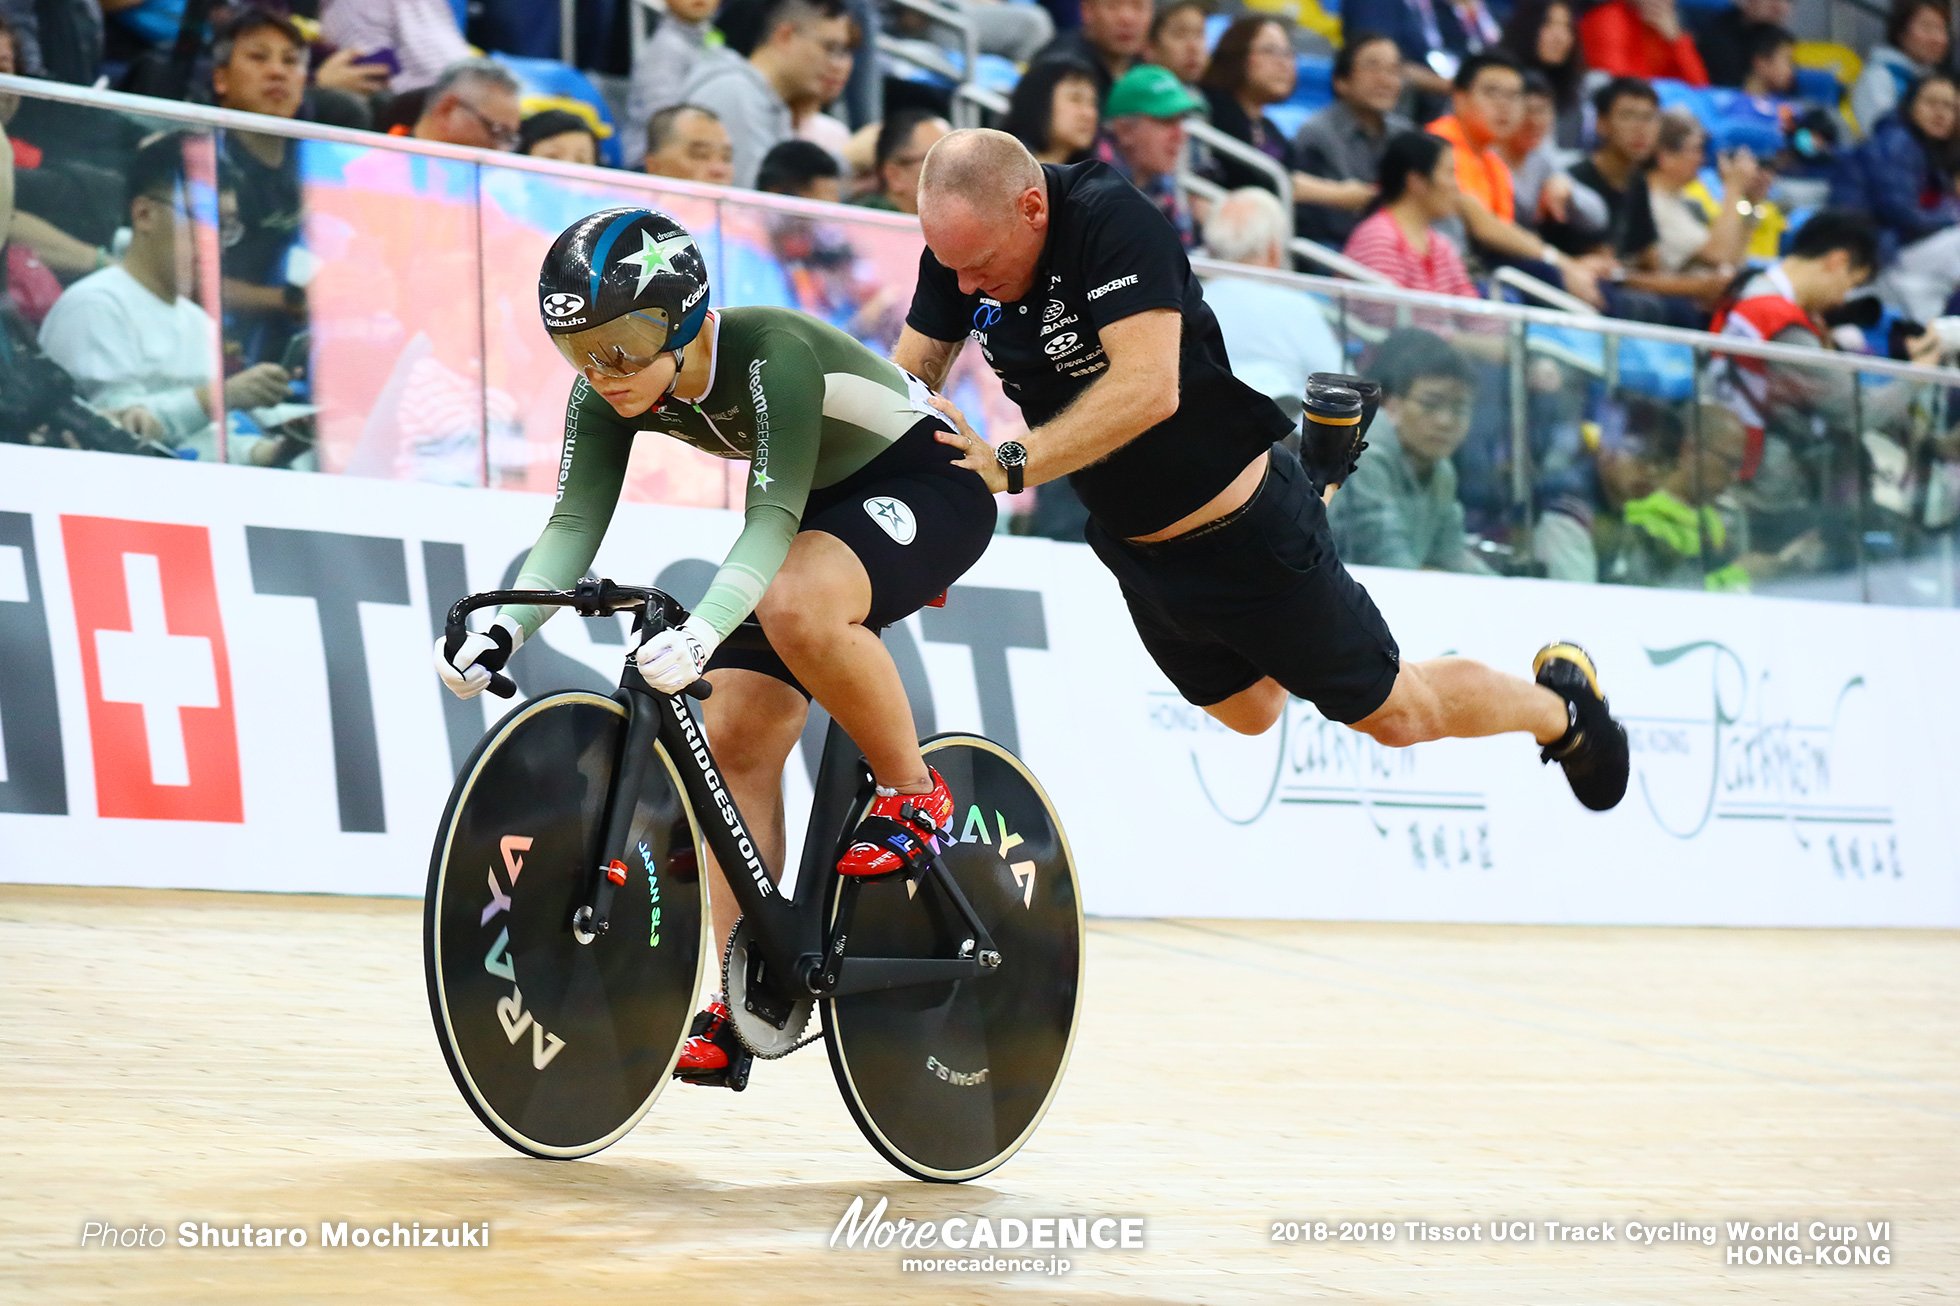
1358, 309
1234, 148
1313, 251
917, 52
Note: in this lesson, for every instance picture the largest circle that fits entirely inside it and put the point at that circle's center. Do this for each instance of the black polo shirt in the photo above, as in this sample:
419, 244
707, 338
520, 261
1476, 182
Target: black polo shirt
1109, 255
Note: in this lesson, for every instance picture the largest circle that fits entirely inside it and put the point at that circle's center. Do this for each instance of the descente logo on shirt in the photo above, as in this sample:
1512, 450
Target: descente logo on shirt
1108, 286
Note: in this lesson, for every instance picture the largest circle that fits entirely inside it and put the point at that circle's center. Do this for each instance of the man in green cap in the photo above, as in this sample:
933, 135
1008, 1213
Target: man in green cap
1144, 139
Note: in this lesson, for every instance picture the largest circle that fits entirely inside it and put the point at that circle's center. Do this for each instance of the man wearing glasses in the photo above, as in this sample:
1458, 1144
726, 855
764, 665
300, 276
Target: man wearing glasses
800, 42
1400, 509
474, 102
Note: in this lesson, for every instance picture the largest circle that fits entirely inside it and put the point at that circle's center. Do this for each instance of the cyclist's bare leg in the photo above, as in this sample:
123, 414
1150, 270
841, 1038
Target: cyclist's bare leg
753, 723
814, 614
1443, 698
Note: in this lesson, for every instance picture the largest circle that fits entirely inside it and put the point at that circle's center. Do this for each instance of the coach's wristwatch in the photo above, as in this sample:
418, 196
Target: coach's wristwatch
1012, 455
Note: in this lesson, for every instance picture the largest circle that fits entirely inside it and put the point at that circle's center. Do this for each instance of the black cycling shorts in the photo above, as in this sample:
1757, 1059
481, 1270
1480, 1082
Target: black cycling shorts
1257, 593
914, 520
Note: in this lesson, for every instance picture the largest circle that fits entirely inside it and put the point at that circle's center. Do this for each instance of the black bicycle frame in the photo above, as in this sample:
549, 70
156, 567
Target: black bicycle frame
804, 954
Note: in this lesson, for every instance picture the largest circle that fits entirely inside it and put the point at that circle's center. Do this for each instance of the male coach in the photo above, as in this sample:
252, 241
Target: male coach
1079, 295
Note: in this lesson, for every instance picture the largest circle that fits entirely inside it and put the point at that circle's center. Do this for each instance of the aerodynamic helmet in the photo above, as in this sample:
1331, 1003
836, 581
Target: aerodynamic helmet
620, 287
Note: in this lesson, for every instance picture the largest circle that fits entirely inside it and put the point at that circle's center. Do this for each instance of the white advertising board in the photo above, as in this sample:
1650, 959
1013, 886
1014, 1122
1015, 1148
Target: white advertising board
218, 677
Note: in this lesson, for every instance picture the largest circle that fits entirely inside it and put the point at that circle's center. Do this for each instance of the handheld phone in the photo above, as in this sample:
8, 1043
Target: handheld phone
299, 351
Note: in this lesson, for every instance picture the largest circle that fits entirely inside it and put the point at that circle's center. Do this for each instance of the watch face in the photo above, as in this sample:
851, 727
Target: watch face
1011, 453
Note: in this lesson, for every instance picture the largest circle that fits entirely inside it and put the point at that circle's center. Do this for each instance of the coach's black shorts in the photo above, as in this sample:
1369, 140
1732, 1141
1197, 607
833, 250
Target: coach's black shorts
1258, 593
914, 520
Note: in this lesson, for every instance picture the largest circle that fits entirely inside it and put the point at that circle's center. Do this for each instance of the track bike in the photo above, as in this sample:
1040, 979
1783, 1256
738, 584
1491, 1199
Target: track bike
565, 925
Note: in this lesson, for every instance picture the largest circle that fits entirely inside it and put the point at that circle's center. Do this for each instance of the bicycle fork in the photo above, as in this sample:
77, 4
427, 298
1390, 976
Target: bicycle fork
629, 774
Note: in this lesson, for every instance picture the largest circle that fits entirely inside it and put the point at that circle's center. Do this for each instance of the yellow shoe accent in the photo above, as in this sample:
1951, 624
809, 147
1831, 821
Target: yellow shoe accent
1572, 653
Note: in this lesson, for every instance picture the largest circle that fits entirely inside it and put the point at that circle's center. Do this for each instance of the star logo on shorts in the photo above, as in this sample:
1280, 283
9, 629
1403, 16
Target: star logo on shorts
762, 478
894, 517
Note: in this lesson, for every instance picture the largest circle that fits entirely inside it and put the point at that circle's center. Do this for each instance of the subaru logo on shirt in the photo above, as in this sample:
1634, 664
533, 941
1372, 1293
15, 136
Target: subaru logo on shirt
1060, 345
987, 315
1053, 311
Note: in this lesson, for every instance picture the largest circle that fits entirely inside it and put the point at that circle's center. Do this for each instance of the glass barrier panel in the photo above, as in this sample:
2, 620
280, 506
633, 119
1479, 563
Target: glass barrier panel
385, 279
1911, 498
1582, 405
528, 381
1438, 484
111, 313
857, 273
1776, 461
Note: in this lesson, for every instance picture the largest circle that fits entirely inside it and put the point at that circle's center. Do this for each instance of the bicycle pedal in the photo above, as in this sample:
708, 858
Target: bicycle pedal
735, 1075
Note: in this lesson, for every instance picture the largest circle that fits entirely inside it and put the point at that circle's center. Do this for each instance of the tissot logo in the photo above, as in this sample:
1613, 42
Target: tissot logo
563, 305
156, 671
1060, 345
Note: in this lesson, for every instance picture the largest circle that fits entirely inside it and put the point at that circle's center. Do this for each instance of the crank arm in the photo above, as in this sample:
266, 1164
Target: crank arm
877, 974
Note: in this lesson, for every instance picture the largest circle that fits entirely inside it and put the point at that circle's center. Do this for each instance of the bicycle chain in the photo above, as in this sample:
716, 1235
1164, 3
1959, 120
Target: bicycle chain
728, 991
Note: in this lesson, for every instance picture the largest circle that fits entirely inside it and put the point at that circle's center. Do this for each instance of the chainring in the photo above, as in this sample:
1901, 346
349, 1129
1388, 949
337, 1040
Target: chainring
758, 1035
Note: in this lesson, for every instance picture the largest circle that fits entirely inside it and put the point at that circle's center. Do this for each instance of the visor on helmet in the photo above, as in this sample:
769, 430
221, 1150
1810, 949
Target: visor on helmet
618, 348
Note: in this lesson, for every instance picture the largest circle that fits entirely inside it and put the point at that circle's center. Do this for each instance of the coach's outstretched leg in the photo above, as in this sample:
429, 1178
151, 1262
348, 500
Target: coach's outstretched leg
1565, 711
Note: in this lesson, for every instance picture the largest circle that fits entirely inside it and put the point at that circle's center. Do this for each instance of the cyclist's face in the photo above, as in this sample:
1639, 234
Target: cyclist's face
632, 395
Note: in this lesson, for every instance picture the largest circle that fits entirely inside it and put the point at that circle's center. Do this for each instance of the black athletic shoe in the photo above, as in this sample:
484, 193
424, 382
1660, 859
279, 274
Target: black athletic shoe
713, 1055
1593, 749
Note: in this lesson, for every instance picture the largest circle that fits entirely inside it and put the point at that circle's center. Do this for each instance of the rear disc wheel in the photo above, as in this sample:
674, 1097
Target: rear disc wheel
947, 1081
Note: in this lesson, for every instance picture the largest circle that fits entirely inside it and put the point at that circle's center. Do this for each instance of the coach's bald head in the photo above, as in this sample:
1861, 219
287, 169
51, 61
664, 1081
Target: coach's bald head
983, 204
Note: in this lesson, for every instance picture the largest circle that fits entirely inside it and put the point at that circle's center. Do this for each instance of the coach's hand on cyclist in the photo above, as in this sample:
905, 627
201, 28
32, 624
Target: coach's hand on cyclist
465, 665
976, 454
674, 659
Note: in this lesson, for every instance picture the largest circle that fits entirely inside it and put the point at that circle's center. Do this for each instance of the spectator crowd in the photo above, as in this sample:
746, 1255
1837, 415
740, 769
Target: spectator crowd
1700, 168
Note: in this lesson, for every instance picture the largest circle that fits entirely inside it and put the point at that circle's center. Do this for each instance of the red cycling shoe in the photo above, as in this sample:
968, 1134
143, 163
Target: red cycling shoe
900, 831
713, 1055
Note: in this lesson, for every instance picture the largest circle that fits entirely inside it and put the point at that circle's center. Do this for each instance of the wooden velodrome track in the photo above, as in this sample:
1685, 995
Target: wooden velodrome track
227, 1058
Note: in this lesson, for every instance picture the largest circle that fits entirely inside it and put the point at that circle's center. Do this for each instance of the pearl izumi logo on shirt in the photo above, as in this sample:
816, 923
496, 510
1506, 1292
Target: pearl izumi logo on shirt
893, 517
1108, 286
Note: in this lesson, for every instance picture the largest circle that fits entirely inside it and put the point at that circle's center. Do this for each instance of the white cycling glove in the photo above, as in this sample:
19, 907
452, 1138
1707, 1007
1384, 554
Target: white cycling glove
674, 659
466, 668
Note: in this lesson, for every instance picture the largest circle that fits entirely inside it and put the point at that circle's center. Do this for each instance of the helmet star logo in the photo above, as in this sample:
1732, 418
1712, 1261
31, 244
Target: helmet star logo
654, 257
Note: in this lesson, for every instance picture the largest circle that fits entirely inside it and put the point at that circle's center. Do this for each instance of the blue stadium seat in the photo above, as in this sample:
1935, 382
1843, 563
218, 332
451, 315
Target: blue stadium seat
1315, 85
1819, 85
549, 84
1289, 117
